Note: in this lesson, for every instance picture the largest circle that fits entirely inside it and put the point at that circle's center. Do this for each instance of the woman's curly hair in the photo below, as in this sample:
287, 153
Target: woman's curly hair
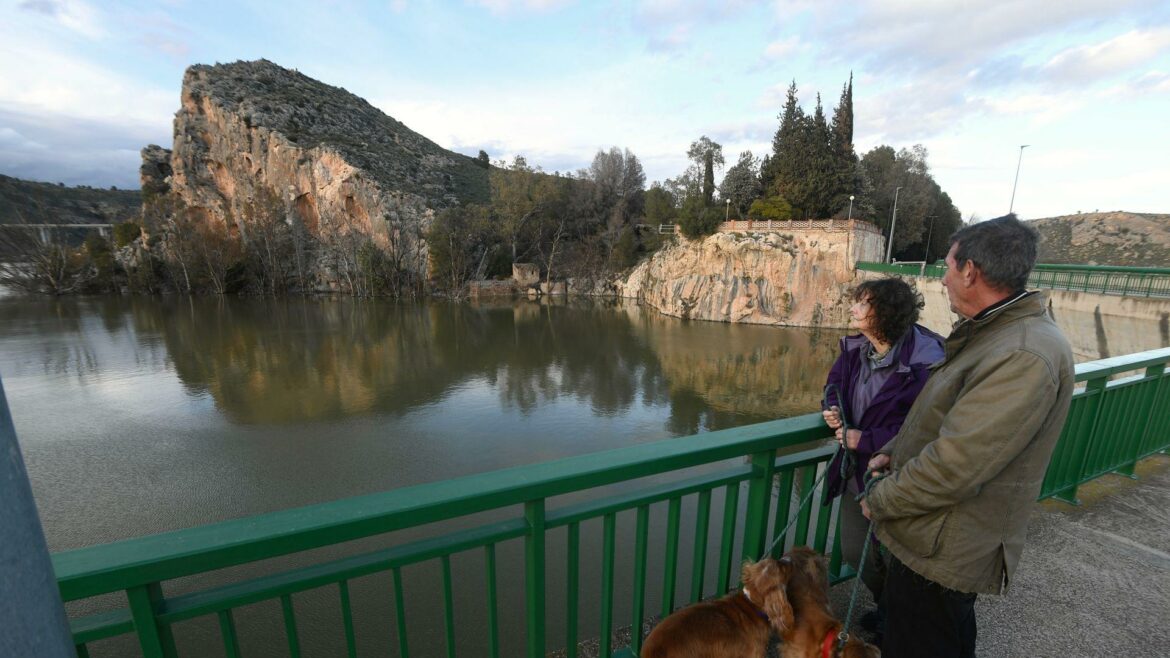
893, 303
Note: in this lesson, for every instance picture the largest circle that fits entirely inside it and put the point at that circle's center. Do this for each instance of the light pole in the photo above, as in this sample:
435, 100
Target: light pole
727, 213
926, 258
1018, 162
893, 223
850, 207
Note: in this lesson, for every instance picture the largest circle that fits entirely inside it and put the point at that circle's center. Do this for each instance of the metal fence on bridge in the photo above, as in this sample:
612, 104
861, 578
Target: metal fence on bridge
1101, 279
1111, 425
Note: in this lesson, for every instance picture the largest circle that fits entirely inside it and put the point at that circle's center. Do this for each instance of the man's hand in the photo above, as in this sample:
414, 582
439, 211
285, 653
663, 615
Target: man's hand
852, 438
878, 463
864, 509
832, 417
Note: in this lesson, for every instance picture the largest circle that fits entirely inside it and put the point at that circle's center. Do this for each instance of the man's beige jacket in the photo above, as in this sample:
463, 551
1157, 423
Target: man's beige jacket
971, 456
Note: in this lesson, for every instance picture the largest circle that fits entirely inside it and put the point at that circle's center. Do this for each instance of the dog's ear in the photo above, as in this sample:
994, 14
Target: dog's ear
778, 609
774, 584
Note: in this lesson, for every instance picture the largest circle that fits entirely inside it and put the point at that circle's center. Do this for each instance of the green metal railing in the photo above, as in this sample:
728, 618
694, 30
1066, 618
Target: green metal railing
1111, 425
1101, 279
141, 567
904, 269
1104, 279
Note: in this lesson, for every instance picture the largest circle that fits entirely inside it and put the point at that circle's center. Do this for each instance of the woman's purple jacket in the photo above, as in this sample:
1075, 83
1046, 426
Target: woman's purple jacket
887, 411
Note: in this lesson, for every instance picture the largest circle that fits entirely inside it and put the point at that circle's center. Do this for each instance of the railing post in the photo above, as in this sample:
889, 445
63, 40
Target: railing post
1094, 393
156, 639
30, 603
755, 526
534, 576
1157, 371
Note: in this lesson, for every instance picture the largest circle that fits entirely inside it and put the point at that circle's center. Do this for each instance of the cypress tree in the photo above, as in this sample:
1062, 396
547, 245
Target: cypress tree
847, 179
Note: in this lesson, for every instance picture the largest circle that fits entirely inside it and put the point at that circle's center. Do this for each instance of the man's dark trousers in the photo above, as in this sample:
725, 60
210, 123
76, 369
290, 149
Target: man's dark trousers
925, 619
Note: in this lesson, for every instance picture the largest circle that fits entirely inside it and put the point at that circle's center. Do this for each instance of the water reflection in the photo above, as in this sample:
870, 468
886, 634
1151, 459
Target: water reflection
288, 362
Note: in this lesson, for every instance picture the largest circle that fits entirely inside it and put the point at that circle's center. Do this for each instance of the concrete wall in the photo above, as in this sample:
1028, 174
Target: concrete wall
1097, 326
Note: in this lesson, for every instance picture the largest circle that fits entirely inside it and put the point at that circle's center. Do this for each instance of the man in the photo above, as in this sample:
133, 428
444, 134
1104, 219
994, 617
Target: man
969, 461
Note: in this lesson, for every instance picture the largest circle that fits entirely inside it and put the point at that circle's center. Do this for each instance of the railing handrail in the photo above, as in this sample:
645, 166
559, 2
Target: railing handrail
1127, 269
128, 563
1119, 364
1099, 279
1046, 267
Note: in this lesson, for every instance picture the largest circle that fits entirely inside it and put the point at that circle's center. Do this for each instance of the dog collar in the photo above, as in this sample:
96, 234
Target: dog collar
746, 593
827, 645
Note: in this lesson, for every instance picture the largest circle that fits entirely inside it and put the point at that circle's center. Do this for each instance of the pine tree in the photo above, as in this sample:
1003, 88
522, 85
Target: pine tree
821, 173
787, 165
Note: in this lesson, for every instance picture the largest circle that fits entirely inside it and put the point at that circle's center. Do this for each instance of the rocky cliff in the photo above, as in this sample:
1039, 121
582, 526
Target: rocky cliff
796, 278
1106, 238
253, 135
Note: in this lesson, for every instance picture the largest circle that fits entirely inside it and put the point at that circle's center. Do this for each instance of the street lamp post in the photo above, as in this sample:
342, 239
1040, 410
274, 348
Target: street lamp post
893, 223
929, 232
850, 207
1018, 163
727, 212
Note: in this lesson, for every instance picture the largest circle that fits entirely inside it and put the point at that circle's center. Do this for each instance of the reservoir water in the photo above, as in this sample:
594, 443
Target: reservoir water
143, 415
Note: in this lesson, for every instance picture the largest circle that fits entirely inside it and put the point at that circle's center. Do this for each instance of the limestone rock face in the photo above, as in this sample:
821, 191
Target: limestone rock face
253, 136
796, 279
155, 172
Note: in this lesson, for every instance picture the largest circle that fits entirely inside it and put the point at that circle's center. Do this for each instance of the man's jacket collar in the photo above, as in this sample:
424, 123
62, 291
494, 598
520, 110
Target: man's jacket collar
1030, 304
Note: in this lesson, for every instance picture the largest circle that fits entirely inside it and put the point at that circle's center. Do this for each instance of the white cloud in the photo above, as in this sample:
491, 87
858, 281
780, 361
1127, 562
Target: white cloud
1039, 109
1152, 82
74, 15
1121, 54
505, 6
782, 48
669, 25
37, 78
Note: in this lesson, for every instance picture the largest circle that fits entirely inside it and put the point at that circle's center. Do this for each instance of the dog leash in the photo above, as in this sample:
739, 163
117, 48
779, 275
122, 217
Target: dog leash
843, 636
848, 463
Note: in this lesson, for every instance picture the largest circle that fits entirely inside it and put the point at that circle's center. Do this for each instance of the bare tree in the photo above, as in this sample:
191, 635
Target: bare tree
40, 261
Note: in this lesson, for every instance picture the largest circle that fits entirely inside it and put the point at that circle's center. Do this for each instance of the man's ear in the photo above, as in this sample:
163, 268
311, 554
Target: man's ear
970, 273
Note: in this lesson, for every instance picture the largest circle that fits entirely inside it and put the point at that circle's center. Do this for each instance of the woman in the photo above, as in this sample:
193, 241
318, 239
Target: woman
875, 380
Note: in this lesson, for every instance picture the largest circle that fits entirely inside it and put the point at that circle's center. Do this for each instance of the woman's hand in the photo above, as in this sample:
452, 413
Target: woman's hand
832, 417
852, 438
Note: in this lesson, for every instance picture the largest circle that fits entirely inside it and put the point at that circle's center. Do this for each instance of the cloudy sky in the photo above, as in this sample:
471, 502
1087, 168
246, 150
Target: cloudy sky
1086, 83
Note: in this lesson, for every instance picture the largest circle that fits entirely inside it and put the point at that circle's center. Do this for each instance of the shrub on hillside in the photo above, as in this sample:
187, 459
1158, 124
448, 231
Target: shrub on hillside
772, 207
698, 220
125, 233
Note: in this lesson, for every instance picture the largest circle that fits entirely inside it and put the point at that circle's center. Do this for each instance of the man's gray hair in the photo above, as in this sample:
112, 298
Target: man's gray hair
1004, 248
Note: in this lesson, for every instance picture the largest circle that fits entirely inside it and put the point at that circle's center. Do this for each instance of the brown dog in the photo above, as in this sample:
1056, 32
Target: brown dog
738, 625
814, 631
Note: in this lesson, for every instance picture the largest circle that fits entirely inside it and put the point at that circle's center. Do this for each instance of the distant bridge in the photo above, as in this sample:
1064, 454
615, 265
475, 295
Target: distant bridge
43, 229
